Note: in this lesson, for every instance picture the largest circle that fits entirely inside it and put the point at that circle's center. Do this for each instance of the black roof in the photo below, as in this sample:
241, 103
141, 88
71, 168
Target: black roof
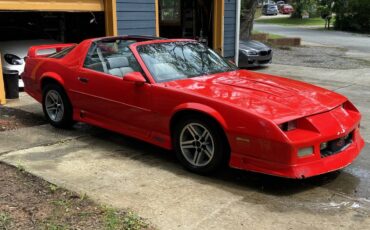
134, 37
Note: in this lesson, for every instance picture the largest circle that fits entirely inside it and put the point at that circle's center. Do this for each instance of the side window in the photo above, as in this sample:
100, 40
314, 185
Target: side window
113, 57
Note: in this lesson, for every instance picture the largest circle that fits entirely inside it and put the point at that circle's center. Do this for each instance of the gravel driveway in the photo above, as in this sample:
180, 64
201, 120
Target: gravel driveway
319, 57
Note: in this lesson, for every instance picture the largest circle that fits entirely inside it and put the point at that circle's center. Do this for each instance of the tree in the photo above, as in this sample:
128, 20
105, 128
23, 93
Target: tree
352, 15
326, 11
247, 12
304, 6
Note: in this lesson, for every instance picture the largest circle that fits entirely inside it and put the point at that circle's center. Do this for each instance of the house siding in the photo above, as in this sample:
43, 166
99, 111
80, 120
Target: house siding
136, 17
229, 28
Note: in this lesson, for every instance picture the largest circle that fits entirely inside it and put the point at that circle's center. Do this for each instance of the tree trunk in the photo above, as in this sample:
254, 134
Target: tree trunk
246, 21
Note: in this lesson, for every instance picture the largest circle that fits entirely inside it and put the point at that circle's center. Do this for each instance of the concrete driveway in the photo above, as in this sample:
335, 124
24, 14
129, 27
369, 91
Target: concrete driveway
350, 41
126, 173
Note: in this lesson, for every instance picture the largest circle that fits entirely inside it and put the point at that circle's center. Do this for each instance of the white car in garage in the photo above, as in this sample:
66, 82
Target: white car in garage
14, 51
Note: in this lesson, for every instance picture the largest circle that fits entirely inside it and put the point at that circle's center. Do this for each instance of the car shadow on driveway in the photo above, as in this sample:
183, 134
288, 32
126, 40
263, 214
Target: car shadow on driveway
228, 177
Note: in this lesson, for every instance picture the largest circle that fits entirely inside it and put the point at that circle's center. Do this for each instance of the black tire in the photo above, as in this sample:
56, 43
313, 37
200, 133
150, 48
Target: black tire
221, 150
66, 117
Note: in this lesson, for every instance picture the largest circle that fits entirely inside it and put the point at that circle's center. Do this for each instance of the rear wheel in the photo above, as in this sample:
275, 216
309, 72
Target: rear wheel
200, 144
57, 107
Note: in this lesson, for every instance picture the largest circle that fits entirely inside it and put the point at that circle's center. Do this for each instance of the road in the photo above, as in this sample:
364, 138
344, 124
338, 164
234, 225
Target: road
350, 41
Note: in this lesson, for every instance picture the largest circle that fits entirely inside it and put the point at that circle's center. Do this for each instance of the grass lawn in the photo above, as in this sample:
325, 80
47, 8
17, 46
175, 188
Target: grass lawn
294, 21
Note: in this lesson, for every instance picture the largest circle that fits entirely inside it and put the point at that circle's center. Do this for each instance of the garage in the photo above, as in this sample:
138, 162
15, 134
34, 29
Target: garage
35, 22
61, 20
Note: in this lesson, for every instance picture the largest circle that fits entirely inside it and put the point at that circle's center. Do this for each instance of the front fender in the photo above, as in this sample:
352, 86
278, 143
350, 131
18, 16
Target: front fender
203, 109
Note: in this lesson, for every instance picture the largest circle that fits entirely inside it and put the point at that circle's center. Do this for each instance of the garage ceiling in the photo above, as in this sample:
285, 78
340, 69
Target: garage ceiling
53, 5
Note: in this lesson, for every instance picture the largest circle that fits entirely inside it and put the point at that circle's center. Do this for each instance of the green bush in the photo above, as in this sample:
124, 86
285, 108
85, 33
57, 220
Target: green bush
301, 6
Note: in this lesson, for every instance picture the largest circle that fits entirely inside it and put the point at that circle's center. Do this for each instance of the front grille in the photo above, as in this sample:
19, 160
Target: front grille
337, 145
263, 53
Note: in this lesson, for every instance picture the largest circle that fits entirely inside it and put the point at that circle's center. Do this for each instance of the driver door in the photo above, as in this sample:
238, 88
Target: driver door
104, 97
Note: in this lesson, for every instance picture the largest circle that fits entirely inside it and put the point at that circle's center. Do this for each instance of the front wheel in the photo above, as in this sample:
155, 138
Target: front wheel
56, 106
200, 145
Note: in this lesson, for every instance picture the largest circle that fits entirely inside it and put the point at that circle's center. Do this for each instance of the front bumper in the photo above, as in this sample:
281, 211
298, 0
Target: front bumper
254, 61
271, 12
307, 169
282, 159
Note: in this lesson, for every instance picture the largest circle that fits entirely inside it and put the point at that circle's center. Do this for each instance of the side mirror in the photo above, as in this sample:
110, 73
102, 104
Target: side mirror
135, 77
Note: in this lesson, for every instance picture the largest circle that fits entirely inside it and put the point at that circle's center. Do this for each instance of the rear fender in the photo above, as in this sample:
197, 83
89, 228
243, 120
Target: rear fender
51, 75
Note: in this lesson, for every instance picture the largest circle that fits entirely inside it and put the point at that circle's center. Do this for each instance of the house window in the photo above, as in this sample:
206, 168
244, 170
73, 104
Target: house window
170, 11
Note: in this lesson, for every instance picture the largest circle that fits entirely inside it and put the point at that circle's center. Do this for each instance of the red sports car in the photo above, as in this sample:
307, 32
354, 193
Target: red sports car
181, 95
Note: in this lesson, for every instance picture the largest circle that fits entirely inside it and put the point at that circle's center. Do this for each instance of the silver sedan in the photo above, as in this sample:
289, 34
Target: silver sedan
253, 54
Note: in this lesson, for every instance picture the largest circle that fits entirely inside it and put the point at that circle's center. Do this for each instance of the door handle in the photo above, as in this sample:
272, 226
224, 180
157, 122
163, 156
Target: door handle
83, 80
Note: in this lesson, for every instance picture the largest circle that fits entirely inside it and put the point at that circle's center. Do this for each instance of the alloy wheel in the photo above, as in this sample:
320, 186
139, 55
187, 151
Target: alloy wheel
54, 105
197, 144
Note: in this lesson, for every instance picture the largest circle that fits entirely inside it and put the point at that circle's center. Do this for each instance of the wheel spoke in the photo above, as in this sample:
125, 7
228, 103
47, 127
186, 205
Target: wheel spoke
207, 136
196, 157
207, 152
54, 98
56, 113
187, 144
51, 106
193, 131
204, 134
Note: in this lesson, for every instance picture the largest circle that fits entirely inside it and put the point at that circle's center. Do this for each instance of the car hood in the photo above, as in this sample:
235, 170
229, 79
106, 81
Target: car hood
251, 44
20, 48
276, 98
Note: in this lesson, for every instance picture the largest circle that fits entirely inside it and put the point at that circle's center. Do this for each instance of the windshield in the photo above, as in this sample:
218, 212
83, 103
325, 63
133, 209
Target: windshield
179, 60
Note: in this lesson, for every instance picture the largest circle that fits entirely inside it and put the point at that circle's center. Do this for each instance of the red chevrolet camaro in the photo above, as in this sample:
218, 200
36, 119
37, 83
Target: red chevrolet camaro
181, 95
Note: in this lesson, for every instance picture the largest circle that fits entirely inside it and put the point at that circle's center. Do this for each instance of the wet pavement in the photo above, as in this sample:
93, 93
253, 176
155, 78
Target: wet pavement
127, 173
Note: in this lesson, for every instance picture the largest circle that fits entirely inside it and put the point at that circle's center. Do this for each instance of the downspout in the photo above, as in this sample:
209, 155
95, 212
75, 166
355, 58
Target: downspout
237, 31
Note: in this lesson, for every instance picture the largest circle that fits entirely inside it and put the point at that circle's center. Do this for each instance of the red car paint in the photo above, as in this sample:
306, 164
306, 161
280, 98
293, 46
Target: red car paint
286, 9
249, 106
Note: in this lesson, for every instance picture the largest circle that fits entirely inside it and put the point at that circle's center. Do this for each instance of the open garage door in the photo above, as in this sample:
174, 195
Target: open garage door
53, 5
26, 23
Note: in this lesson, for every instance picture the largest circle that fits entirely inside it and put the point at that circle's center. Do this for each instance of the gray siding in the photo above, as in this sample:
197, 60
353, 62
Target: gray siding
229, 28
136, 17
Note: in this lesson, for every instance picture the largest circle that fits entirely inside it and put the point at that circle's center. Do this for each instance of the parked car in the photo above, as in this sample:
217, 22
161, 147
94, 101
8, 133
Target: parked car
280, 3
270, 9
13, 50
286, 9
182, 96
254, 53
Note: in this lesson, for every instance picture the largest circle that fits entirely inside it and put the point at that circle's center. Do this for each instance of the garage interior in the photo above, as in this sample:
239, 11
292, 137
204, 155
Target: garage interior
59, 26
187, 19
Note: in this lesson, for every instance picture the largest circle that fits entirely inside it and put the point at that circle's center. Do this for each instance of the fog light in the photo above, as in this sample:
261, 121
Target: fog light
305, 151
323, 145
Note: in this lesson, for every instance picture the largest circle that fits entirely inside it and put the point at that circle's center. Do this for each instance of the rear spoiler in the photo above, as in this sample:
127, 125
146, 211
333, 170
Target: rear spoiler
34, 50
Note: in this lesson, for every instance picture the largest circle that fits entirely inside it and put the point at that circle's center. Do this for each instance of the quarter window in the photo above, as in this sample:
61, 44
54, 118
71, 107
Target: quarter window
112, 57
